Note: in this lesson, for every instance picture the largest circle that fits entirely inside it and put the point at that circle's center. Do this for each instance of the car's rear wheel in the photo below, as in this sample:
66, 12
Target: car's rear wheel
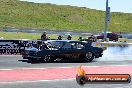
45, 58
89, 56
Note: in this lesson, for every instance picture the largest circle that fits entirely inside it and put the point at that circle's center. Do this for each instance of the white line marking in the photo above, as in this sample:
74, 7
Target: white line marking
37, 81
59, 67
10, 55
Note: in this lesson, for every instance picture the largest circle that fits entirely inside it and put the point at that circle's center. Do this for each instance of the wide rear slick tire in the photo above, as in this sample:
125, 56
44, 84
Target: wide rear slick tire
47, 58
89, 56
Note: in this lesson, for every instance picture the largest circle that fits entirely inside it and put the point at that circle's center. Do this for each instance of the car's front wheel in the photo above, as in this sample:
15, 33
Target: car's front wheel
89, 56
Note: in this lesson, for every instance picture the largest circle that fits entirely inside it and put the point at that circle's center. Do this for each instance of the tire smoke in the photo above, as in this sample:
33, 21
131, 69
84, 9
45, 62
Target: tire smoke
117, 54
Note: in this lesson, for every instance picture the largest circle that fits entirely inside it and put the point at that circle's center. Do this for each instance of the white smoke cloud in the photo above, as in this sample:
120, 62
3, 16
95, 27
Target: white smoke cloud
117, 54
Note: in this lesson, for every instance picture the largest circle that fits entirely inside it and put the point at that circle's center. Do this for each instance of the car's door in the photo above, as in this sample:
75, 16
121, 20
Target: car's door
72, 50
78, 50
66, 50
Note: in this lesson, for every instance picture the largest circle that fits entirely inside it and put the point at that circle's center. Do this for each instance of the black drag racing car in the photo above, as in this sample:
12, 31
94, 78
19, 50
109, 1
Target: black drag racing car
52, 50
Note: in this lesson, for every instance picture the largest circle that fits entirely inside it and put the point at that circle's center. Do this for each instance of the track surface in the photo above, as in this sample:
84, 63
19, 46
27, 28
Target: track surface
16, 73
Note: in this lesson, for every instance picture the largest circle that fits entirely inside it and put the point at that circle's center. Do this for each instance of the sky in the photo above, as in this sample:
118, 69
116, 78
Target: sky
116, 5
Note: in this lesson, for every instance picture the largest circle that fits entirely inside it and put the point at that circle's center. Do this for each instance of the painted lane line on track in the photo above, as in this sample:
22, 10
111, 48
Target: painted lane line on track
59, 67
46, 68
10, 55
58, 73
38, 81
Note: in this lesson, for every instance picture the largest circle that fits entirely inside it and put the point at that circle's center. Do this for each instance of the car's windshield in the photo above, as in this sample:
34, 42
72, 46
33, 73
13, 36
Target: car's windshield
55, 44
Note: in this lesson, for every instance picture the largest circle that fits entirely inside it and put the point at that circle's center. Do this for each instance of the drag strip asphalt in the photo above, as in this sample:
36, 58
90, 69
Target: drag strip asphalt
18, 73
70, 83
14, 62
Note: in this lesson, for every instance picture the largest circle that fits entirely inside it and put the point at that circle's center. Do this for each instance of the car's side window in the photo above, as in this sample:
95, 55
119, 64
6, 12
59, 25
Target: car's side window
80, 46
55, 45
49, 45
67, 46
73, 46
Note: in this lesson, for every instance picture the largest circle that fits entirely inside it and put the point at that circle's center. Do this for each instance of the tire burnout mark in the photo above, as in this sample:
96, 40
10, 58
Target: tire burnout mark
57, 73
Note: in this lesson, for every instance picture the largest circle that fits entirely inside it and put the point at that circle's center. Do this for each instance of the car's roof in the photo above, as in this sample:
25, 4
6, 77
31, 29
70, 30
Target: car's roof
63, 41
